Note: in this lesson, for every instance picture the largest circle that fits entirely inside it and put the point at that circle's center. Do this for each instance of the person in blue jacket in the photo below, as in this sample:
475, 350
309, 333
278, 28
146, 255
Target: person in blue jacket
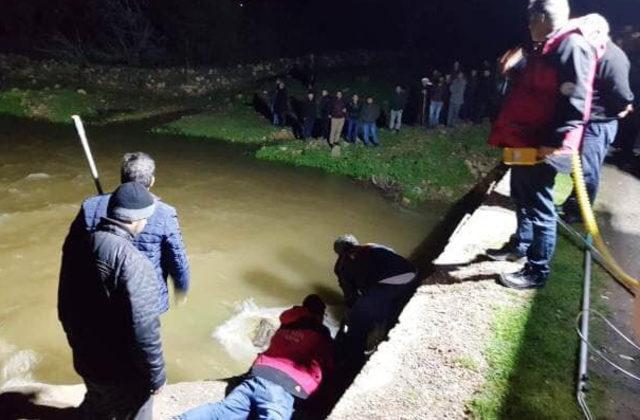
160, 241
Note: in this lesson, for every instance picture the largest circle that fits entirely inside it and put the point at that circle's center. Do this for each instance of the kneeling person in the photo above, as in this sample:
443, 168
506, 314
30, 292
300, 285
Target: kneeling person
295, 364
376, 282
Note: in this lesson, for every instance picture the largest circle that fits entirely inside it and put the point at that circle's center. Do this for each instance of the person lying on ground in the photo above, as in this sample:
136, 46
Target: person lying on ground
161, 240
376, 283
299, 358
108, 298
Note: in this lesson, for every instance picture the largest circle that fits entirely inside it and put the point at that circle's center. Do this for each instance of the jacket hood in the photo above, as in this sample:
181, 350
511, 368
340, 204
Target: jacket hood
296, 314
594, 28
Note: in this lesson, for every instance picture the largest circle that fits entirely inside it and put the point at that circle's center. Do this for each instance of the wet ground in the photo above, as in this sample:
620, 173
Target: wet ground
253, 230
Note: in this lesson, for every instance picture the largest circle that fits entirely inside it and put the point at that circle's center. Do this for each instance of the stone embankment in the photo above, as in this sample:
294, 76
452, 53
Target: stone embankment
432, 365
172, 81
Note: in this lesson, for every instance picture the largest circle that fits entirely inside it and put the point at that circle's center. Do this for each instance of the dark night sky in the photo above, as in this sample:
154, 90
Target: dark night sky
218, 31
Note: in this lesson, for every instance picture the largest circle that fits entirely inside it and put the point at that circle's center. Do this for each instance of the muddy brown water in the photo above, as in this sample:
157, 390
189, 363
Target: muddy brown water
253, 230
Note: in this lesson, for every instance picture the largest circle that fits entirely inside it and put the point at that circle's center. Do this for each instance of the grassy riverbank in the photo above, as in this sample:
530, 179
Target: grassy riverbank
414, 165
58, 104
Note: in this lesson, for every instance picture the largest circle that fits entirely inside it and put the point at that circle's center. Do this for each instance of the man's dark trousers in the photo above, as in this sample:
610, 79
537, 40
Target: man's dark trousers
532, 192
598, 136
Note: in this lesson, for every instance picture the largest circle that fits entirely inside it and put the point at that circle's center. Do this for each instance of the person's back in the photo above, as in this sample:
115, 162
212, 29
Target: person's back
161, 240
298, 360
611, 89
300, 353
110, 288
108, 306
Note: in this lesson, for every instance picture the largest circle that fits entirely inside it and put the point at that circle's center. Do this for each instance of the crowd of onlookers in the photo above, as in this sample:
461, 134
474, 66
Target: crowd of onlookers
440, 99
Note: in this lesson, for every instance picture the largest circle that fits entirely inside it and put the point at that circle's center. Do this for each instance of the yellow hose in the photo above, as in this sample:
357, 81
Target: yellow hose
591, 226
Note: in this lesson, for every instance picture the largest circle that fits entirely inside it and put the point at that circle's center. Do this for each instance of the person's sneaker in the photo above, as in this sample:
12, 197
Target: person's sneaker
523, 279
506, 253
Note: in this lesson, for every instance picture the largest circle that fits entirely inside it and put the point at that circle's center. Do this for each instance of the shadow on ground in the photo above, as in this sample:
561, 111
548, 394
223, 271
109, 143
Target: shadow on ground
18, 405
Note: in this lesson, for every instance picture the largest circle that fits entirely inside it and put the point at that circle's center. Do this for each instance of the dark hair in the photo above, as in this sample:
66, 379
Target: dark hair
315, 304
137, 167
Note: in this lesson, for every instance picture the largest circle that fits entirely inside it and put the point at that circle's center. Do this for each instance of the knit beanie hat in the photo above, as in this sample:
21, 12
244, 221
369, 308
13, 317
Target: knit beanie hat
130, 202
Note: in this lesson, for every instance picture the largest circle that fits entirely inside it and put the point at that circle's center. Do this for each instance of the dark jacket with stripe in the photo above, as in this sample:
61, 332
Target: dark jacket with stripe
107, 304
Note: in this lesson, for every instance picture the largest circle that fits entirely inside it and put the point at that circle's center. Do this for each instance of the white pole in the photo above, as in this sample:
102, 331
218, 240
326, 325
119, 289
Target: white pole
87, 151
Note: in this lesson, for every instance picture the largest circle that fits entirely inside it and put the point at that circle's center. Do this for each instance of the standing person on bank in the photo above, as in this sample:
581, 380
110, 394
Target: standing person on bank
612, 101
354, 107
161, 239
281, 105
437, 102
546, 109
338, 114
309, 115
108, 299
369, 117
456, 100
325, 114
397, 104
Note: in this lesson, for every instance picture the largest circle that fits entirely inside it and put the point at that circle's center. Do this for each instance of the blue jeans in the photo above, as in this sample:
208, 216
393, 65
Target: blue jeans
434, 112
307, 128
253, 398
532, 193
352, 129
370, 132
598, 136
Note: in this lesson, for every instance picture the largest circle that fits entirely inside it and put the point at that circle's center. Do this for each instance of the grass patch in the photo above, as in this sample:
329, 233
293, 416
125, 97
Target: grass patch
414, 164
236, 123
52, 105
534, 349
57, 105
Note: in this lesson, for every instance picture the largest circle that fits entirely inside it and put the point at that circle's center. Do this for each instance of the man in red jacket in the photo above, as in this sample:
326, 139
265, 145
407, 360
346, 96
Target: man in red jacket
295, 364
546, 109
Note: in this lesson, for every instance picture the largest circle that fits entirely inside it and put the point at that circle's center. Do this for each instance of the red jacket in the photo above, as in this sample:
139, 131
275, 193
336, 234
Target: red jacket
300, 354
551, 98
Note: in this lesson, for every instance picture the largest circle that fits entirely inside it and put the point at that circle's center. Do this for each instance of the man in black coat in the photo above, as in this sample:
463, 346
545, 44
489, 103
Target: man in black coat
108, 299
309, 115
612, 101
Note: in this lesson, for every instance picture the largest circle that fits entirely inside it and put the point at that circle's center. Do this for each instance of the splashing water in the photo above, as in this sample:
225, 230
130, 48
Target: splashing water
250, 328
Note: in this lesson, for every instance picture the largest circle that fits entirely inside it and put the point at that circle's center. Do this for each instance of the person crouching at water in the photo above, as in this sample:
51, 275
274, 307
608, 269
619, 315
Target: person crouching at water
107, 303
376, 282
161, 240
298, 360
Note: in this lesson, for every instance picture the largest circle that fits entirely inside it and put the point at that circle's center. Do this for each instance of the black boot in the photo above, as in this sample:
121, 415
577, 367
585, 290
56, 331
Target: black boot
523, 279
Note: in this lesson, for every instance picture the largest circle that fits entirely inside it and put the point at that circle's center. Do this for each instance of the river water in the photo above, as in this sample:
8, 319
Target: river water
258, 234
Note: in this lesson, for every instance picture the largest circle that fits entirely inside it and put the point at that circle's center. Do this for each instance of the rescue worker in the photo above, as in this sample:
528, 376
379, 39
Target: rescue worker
298, 360
376, 283
546, 109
